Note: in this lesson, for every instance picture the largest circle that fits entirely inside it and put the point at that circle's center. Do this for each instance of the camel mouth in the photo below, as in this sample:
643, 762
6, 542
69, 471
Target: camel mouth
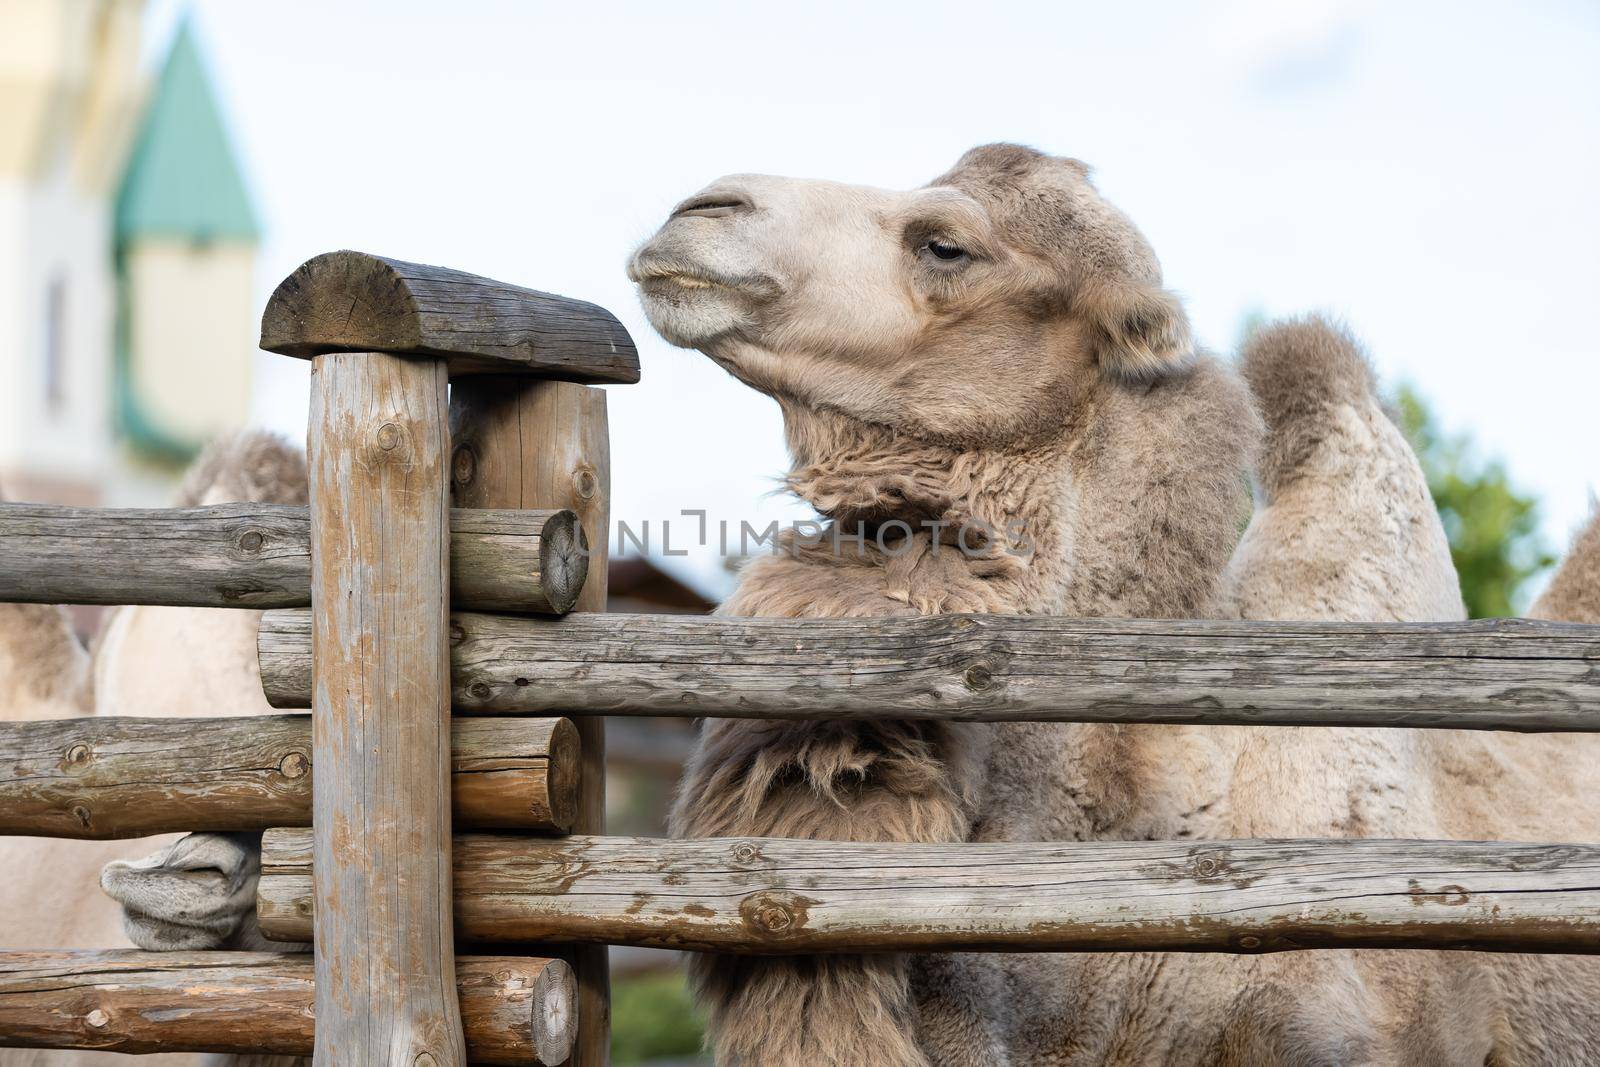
680, 281
692, 306
712, 206
671, 277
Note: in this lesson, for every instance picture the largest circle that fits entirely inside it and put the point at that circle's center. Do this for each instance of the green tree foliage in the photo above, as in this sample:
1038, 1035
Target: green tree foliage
653, 1018
1493, 528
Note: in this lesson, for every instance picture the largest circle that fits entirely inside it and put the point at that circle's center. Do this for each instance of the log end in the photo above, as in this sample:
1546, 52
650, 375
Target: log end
563, 560
554, 1012
304, 319
566, 751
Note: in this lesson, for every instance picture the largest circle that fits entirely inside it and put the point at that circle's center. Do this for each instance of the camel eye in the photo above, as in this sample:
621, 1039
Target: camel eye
945, 250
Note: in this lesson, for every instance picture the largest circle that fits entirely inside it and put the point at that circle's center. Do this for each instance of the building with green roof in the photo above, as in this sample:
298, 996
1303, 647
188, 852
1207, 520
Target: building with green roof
185, 235
128, 242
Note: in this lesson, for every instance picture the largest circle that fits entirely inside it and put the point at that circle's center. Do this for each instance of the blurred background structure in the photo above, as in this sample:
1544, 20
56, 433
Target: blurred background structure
1423, 170
127, 257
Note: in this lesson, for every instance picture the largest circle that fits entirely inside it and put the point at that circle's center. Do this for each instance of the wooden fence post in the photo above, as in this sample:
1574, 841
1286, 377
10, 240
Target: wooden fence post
385, 947
526, 444
380, 471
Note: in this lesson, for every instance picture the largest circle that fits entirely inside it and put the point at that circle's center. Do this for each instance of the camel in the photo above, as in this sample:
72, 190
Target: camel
44, 671
990, 395
995, 350
149, 661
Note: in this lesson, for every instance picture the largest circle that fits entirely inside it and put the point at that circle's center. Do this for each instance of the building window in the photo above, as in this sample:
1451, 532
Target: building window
55, 344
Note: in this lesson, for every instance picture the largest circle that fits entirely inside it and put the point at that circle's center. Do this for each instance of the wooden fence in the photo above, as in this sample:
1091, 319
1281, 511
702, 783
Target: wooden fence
419, 803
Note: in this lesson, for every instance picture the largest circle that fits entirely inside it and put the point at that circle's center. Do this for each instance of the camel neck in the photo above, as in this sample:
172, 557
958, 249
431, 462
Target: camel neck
996, 510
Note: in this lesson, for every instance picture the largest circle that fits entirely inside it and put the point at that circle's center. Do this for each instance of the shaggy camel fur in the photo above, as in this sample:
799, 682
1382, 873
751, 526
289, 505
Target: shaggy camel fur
995, 349
149, 661
44, 671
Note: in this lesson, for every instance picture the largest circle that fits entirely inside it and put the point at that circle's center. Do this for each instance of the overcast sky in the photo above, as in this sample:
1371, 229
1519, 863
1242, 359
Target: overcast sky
1428, 172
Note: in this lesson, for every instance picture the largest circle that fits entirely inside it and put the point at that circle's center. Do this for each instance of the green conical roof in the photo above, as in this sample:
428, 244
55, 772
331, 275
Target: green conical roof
183, 179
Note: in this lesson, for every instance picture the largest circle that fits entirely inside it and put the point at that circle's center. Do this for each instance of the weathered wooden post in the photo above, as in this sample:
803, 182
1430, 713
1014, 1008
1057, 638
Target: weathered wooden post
381, 712
517, 443
383, 335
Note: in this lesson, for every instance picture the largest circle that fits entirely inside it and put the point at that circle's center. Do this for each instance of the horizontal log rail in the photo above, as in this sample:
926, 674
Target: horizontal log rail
259, 556
515, 1010
766, 896
1505, 674
127, 777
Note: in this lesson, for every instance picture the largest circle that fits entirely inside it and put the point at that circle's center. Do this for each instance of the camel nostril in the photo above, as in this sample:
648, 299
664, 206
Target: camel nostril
713, 206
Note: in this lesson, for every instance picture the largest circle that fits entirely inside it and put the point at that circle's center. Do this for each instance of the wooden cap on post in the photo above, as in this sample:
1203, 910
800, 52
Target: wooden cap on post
356, 302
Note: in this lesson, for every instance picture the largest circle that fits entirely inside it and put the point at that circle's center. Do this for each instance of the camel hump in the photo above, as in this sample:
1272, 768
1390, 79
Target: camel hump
248, 465
1298, 367
1573, 595
1301, 371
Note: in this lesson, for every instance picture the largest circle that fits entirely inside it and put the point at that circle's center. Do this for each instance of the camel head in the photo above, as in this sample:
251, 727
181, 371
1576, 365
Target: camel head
971, 311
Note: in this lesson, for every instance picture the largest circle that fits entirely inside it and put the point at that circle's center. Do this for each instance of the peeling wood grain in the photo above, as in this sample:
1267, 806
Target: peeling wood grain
772, 896
355, 302
516, 1010
259, 556
1500, 674
99, 778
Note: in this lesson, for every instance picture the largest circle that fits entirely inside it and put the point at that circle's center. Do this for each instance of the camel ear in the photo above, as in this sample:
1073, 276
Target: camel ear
1139, 332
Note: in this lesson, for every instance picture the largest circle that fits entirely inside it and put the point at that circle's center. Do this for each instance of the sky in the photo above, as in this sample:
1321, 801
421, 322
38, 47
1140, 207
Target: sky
1425, 171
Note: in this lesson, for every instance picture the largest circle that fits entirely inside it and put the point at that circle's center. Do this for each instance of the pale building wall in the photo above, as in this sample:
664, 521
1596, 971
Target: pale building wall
57, 308
13, 212
68, 90
193, 333
68, 74
33, 49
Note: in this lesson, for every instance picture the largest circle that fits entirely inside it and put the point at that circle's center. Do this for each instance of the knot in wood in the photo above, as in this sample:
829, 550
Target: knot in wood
745, 852
251, 541
81, 813
294, 764
479, 690
584, 482
978, 677
77, 755
1249, 941
388, 436
772, 917
464, 465
424, 1059
97, 1018
775, 914
1212, 864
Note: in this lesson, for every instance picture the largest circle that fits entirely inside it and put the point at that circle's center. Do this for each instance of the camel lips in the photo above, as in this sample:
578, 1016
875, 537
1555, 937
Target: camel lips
681, 281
